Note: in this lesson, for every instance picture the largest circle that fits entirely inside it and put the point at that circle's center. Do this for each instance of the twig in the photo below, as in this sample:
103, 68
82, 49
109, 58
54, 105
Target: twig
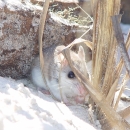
121, 63
40, 35
77, 41
112, 91
91, 114
90, 28
119, 96
125, 112
89, 44
122, 88
84, 12
120, 41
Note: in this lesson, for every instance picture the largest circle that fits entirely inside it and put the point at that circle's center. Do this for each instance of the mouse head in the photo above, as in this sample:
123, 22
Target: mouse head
70, 85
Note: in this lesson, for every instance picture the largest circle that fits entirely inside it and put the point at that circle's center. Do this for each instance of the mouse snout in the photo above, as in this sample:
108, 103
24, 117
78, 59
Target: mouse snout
80, 98
82, 90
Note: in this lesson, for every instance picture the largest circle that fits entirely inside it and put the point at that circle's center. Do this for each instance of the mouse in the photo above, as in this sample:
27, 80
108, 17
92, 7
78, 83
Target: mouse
60, 78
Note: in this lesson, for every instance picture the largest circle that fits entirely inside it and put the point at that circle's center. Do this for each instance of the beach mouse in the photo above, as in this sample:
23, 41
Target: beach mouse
55, 66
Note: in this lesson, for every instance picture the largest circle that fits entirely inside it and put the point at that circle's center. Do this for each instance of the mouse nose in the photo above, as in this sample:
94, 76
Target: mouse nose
80, 99
82, 94
82, 90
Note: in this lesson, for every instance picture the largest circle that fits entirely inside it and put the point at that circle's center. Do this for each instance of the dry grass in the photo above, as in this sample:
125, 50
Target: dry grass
106, 73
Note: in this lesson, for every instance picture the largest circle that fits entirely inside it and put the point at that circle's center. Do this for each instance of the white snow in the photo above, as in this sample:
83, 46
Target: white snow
14, 5
26, 108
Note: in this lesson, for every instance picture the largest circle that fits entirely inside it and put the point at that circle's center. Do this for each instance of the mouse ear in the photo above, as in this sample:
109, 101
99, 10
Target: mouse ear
81, 53
59, 58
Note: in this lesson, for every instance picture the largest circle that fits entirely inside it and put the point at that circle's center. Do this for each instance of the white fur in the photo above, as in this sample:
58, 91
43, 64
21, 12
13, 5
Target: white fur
63, 88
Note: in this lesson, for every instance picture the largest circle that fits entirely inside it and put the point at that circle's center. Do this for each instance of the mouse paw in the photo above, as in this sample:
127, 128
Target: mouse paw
45, 92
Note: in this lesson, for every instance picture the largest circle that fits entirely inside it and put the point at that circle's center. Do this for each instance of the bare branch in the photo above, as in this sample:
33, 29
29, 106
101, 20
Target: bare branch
125, 112
120, 41
40, 35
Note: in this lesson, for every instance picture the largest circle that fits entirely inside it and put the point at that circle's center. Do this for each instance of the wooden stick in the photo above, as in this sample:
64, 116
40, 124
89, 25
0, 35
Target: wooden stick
121, 63
120, 41
40, 35
125, 112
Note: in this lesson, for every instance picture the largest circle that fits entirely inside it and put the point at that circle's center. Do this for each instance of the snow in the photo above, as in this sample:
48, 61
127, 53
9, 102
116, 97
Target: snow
25, 108
14, 5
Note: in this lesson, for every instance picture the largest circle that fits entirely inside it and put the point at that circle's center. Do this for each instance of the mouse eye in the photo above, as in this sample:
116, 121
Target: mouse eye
71, 74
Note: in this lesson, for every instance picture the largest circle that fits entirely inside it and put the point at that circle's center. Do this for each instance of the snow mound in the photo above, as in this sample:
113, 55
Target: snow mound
25, 108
